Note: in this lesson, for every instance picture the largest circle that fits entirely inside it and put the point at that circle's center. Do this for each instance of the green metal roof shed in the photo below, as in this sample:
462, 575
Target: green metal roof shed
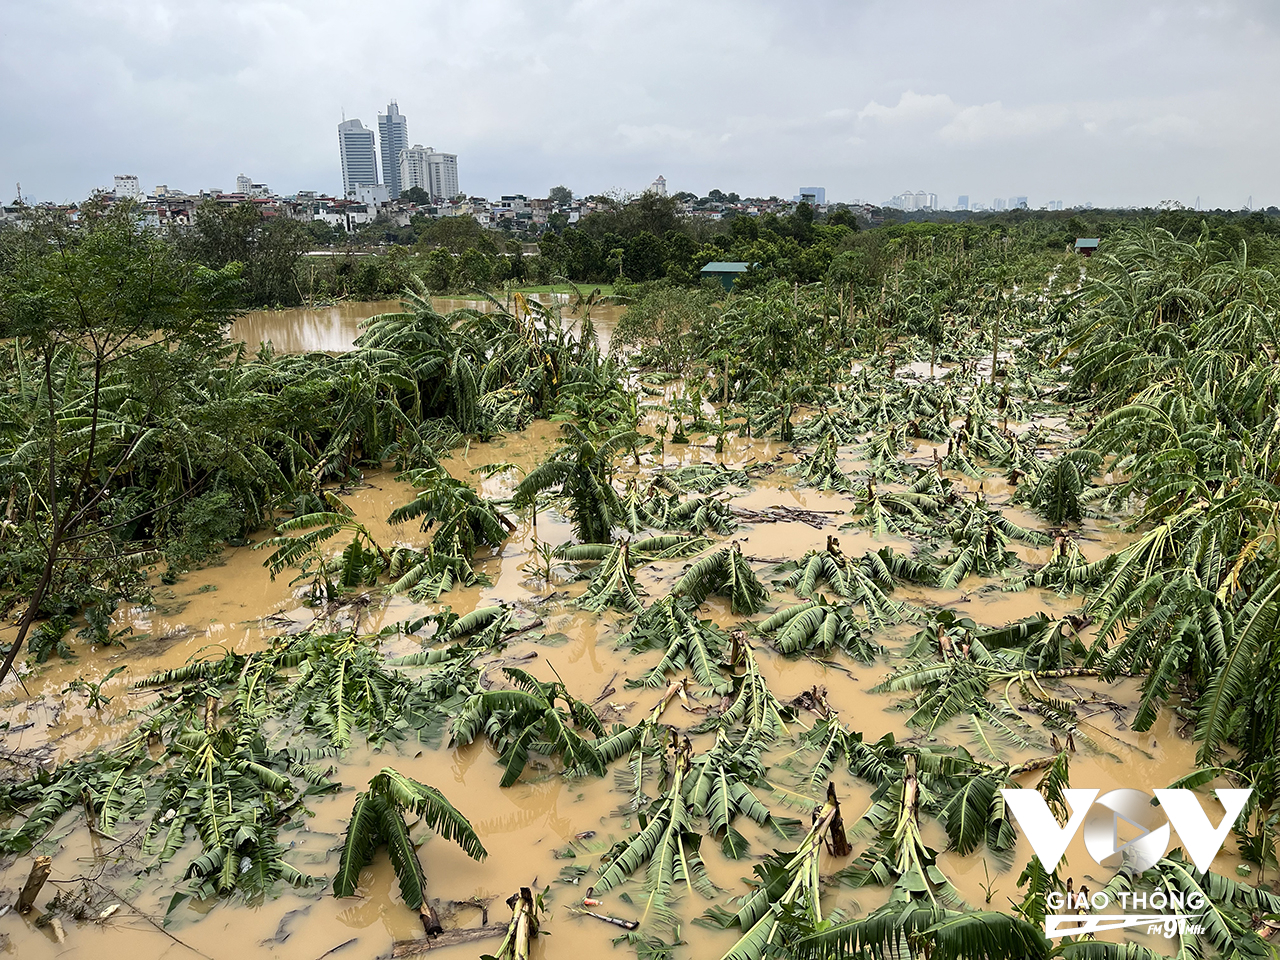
725, 271
1086, 245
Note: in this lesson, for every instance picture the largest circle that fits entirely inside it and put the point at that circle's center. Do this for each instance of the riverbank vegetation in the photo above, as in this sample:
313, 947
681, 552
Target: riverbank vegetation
287, 263
976, 404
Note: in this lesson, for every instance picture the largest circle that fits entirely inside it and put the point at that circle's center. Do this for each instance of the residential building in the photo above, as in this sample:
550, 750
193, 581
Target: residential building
997, 203
814, 196
371, 194
920, 200
412, 168
393, 135
442, 174
963, 202
246, 186
658, 187
436, 173
127, 187
359, 160
1017, 203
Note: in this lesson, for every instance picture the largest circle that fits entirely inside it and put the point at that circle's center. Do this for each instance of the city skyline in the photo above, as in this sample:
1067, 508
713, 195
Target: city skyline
1078, 102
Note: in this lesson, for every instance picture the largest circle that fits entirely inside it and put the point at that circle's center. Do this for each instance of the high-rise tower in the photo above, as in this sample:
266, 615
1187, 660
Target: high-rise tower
393, 132
359, 159
436, 173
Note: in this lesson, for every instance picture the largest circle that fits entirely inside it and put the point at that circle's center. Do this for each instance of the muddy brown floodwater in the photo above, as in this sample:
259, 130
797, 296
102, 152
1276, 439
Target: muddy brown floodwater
530, 828
335, 328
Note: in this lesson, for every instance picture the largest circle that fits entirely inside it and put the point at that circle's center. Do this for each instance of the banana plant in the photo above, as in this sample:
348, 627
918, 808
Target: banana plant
898, 857
883, 454
423, 575
667, 842
899, 512
816, 625
360, 563
788, 895
725, 573
929, 930
1057, 492
526, 909
672, 625
581, 472
821, 469
981, 537
1231, 907
1038, 642
957, 684
696, 515
706, 477
612, 583
460, 516
377, 819
830, 422
481, 629
536, 717
718, 787
865, 580
753, 704
832, 742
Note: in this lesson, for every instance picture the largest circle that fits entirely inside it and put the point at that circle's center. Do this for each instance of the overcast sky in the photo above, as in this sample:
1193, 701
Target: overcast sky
1116, 102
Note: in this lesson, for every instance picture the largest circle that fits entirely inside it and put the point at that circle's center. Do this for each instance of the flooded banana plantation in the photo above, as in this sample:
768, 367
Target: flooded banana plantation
699, 625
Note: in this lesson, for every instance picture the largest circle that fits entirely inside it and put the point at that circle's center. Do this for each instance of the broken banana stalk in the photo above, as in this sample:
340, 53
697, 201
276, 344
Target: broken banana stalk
616, 921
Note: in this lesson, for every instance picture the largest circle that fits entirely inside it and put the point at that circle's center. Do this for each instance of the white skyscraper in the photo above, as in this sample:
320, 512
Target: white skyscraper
436, 173
412, 168
393, 133
244, 184
359, 159
442, 171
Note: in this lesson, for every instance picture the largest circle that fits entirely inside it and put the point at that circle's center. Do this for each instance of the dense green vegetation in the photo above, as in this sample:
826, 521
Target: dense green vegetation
1137, 388
643, 240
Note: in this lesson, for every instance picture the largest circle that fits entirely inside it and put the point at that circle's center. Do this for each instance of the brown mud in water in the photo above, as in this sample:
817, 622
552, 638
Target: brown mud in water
334, 329
538, 831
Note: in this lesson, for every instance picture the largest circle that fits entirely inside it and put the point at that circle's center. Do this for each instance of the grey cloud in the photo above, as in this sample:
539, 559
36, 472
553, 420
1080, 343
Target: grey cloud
1102, 101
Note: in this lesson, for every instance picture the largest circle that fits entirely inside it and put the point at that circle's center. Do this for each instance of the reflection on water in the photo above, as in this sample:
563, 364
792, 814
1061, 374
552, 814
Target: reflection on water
334, 329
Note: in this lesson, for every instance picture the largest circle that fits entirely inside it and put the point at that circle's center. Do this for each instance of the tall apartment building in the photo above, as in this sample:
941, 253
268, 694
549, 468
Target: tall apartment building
127, 186
963, 202
393, 134
915, 201
359, 159
436, 173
